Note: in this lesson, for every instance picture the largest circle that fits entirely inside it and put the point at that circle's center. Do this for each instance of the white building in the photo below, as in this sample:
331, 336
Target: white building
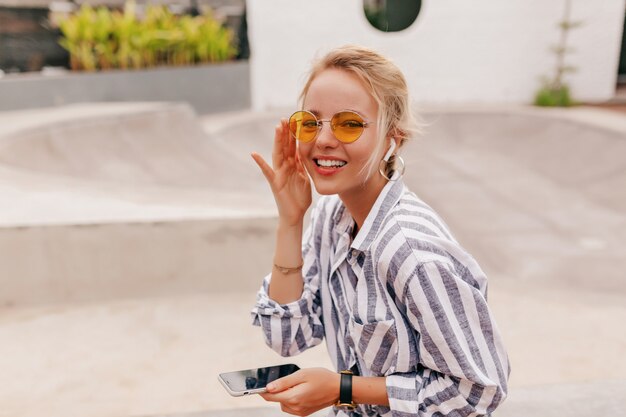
456, 51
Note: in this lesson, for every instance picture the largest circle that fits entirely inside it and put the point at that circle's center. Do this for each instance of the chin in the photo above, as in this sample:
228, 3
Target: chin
324, 189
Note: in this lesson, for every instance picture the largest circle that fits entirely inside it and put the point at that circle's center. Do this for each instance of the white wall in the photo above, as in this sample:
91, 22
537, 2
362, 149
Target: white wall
457, 51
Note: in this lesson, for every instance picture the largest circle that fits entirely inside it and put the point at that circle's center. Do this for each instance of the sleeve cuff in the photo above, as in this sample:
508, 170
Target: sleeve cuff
403, 392
265, 306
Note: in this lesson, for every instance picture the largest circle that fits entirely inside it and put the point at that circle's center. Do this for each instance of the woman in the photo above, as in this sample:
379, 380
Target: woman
402, 306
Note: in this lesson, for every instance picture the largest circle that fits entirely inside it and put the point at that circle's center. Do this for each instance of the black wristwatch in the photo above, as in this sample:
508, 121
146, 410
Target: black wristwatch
345, 391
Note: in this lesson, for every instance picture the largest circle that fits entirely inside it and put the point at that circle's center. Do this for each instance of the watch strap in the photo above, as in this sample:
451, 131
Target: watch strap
345, 391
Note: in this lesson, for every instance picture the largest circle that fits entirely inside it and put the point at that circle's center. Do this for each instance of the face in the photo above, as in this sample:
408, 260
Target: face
336, 167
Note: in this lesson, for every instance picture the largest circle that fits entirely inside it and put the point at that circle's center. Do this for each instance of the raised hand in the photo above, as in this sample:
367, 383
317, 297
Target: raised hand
287, 178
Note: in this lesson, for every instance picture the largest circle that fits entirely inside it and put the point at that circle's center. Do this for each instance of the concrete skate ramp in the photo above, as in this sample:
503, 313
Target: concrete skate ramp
160, 144
102, 163
164, 145
587, 158
537, 195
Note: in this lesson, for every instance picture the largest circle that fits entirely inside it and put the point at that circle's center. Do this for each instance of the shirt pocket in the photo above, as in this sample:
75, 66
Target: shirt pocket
376, 344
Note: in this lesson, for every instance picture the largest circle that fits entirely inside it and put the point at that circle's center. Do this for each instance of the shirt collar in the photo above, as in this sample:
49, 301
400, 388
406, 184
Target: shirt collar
344, 223
386, 200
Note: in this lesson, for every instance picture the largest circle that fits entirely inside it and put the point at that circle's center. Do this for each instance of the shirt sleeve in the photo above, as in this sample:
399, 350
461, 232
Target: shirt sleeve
463, 367
292, 328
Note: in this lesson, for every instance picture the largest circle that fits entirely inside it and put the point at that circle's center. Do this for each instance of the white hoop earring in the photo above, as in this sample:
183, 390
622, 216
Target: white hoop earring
385, 161
400, 172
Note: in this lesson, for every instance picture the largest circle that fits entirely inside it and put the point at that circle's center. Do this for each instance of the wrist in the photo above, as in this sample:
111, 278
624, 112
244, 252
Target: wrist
290, 224
370, 390
286, 270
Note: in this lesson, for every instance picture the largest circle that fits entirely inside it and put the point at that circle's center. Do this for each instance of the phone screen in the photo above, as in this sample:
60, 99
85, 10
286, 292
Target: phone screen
255, 380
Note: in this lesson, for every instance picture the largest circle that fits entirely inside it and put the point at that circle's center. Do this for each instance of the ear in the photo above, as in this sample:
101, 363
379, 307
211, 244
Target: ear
390, 138
397, 135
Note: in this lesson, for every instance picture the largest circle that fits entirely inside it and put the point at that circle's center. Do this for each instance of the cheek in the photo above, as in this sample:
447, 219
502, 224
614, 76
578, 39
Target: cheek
363, 150
303, 152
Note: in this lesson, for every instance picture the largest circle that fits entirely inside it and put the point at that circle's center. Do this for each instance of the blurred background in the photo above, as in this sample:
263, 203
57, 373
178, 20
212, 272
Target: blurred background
135, 229
30, 29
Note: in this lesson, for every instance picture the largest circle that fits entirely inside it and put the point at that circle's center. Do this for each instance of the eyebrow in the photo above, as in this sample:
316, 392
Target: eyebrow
317, 113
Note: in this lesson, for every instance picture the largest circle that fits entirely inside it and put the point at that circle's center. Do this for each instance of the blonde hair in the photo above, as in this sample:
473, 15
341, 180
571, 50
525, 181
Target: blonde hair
387, 85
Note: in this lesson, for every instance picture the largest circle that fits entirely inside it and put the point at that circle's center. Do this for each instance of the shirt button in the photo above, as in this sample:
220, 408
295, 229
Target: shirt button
352, 256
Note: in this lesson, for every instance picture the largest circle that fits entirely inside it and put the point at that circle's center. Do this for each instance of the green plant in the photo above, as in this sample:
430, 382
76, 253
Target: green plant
554, 91
553, 97
79, 38
102, 39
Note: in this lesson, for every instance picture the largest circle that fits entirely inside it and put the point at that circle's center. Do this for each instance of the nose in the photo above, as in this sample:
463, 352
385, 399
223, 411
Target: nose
326, 138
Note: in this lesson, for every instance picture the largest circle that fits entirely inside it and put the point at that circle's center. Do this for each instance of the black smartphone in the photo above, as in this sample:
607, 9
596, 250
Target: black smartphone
254, 381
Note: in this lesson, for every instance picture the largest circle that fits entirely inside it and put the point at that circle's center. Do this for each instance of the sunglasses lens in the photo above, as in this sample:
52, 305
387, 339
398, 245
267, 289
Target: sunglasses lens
303, 126
348, 126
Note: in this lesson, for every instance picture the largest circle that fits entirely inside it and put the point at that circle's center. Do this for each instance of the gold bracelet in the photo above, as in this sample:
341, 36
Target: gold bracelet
285, 270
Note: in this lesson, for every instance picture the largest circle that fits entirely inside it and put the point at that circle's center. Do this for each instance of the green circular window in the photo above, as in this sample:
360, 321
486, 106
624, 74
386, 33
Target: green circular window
391, 15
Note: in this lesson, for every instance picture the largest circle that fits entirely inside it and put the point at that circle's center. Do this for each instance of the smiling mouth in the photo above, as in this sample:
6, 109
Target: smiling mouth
329, 163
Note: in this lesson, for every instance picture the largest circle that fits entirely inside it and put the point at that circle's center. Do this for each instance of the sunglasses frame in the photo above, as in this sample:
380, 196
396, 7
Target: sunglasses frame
320, 125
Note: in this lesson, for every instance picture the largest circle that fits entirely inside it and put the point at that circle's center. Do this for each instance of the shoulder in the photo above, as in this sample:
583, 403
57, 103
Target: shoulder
414, 235
413, 225
414, 214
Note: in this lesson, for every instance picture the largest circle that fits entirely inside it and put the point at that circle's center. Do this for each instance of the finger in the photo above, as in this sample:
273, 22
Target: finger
291, 142
267, 170
274, 397
300, 165
286, 139
284, 383
282, 137
286, 409
278, 151
268, 397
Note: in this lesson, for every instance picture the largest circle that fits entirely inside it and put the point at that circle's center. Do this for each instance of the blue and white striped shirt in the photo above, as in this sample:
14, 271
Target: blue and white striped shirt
403, 300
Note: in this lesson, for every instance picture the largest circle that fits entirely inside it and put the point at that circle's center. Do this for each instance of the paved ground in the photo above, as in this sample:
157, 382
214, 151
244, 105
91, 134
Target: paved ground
536, 195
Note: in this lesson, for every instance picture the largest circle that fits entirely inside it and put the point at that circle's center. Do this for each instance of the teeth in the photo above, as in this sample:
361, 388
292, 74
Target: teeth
330, 163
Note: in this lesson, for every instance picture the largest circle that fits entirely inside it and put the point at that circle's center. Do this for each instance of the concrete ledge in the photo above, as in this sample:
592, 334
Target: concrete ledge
82, 263
209, 88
